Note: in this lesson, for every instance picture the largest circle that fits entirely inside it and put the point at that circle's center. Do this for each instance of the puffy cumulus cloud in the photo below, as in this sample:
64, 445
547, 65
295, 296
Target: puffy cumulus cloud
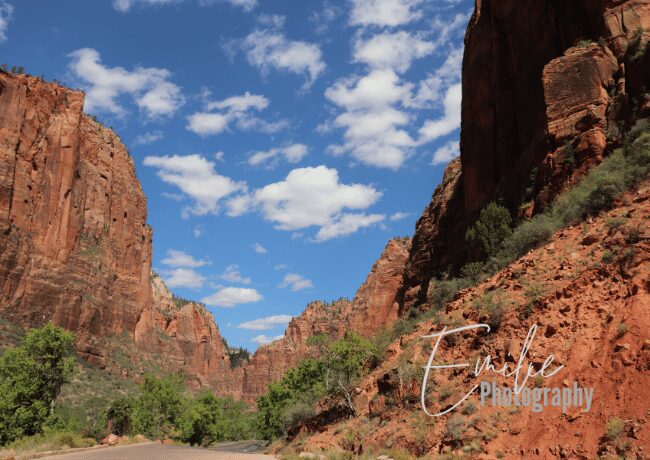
183, 277
238, 110
258, 248
149, 87
394, 51
384, 13
372, 118
265, 324
311, 196
177, 258
231, 296
6, 14
293, 153
197, 178
148, 138
269, 48
232, 275
449, 122
264, 339
446, 153
296, 282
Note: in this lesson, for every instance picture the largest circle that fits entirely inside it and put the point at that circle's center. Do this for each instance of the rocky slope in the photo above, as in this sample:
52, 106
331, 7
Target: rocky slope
373, 307
548, 88
588, 291
75, 248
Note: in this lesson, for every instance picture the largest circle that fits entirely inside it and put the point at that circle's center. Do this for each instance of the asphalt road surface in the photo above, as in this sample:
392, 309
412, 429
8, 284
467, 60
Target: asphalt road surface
231, 451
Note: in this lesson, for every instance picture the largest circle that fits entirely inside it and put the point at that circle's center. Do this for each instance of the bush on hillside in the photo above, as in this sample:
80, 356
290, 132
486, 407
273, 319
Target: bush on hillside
484, 238
31, 376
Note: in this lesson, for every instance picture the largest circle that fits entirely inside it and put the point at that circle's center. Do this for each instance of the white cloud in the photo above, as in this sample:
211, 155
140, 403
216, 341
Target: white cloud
148, 86
238, 110
264, 339
271, 49
232, 275
399, 216
394, 51
308, 197
384, 13
450, 121
246, 5
232, 296
371, 122
198, 231
258, 248
346, 225
124, 6
182, 259
6, 14
196, 177
183, 277
264, 324
148, 138
446, 153
293, 153
296, 282
432, 89
281, 267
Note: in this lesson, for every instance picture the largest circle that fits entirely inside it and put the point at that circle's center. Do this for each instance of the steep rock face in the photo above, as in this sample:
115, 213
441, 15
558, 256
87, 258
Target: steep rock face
548, 87
74, 245
592, 316
373, 307
75, 248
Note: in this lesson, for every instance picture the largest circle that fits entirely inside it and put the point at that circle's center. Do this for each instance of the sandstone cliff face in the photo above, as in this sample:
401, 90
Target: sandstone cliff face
373, 307
75, 248
74, 244
547, 89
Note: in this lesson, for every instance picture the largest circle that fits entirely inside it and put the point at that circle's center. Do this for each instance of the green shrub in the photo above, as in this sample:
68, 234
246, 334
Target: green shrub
484, 238
157, 410
31, 376
455, 427
614, 223
120, 415
208, 419
494, 306
608, 257
614, 428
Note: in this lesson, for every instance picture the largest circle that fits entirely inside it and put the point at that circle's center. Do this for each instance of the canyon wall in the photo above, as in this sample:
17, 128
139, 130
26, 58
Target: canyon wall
75, 248
548, 88
373, 307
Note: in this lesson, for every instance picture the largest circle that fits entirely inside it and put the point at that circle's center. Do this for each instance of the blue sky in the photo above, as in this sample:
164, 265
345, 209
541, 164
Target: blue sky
280, 143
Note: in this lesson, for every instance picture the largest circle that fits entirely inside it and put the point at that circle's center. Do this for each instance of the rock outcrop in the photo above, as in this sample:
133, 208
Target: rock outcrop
548, 88
75, 248
591, 314
373, 307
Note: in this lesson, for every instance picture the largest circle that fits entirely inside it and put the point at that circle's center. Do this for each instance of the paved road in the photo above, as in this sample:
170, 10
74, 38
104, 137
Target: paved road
160, 452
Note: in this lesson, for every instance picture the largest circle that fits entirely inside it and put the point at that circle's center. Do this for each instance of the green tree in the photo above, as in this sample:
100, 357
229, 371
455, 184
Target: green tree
157, 410
209, 419
31, 376
492, 227
120, 415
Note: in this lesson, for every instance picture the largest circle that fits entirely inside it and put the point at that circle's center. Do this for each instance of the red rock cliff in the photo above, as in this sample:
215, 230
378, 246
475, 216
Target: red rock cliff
75, 248
548, 87
373, 307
